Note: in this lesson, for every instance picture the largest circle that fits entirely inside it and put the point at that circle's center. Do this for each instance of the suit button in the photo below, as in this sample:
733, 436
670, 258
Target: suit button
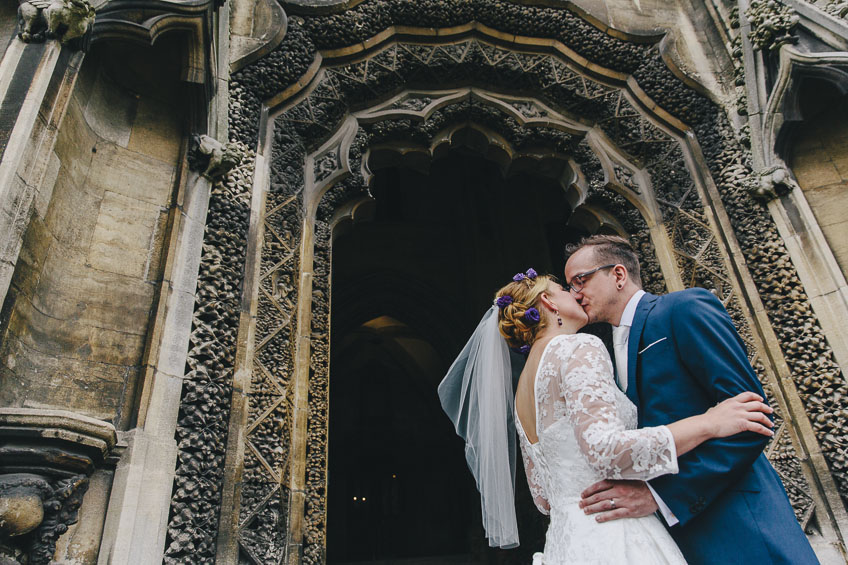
698, 505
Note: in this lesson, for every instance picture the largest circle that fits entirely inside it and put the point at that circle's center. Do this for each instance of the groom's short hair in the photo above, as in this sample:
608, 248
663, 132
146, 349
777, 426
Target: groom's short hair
611, 249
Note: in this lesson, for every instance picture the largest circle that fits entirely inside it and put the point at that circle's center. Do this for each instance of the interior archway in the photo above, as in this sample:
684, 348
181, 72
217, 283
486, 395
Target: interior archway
409, 287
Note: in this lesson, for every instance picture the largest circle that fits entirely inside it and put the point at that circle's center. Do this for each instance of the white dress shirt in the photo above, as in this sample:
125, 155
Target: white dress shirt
620, 339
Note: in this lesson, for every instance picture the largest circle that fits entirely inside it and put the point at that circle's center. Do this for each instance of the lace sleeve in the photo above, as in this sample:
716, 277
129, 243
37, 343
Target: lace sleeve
590, 395
534, 479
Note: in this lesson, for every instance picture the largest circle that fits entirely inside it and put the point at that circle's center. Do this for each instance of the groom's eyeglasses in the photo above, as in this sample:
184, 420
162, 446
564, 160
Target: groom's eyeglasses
578, 281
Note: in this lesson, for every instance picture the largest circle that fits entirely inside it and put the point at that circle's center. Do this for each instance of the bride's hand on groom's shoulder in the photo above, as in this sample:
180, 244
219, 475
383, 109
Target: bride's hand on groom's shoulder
745, 412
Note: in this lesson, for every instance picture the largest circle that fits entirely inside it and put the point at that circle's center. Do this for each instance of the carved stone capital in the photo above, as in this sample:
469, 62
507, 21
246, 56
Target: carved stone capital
211, 158
45, 459
770, 183
771, 24
69, 21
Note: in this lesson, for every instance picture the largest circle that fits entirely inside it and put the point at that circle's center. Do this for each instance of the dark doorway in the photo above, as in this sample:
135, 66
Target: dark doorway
408, 288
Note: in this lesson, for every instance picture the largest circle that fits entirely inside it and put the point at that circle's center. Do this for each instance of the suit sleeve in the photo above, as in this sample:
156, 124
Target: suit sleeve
712, 352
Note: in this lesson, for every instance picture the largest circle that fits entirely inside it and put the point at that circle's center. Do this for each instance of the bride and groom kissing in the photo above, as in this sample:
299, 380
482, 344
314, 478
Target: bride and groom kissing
650, 455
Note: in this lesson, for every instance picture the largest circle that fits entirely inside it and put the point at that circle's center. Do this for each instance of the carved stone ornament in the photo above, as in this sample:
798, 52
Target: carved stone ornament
279, 523
770, 183
838, 8
69, 21
211, 158
45, 459
771, 24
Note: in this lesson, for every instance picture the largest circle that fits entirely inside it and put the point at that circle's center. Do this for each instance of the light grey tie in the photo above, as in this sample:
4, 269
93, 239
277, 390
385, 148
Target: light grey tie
619, 345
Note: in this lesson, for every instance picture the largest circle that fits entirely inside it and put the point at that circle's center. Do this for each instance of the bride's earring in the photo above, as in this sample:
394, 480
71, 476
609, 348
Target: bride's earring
559, 320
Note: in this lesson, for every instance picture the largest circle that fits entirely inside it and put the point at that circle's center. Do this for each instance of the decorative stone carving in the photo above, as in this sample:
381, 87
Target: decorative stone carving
838, 9
771, 24
264, 518
414, 103
207, 390
34, 512
819, 381
385, 71
528, 109
770, 183
624, 177
21, 503
66, 20
326, 166
45, 459
212, 158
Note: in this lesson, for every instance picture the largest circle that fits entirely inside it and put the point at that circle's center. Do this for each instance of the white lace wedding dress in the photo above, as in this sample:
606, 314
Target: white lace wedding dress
586, 430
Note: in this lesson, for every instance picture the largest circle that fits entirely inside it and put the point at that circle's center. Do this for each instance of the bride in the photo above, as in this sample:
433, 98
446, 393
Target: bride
574, 427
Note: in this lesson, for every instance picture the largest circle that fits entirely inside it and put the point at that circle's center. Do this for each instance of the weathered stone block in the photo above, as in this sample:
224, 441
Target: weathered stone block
74, 143
110, 111
123, 236
72, 214
30, 378
134, 175
814, 171
45, 191
829, 203
72, 291
156, 131
31, 259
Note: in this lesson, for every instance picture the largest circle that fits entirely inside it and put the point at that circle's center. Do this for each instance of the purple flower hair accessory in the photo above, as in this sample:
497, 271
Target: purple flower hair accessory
531, 273
519, 277
532, 315
525, 349
504, 301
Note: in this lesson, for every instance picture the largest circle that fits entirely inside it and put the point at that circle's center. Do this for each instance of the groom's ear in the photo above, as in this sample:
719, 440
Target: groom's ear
621, 275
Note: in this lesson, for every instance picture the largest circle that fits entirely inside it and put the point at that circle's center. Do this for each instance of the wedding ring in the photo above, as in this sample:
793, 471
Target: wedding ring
612, 502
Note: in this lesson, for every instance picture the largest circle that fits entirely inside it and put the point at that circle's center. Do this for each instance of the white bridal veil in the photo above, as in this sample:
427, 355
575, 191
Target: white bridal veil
477, 396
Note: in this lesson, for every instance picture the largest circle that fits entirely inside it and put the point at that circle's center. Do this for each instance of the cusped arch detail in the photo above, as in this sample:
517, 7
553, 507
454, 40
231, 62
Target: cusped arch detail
298, 99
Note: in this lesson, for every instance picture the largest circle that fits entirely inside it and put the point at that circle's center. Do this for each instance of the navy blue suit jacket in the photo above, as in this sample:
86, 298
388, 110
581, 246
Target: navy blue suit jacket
684, 356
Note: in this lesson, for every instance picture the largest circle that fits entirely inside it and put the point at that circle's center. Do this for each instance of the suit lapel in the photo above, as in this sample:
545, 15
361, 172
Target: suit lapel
646, 304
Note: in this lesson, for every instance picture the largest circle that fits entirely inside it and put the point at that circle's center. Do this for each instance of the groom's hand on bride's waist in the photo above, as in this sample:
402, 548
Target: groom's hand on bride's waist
611, 500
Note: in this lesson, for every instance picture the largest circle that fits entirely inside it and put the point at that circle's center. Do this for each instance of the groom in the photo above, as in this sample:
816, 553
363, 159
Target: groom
676, 356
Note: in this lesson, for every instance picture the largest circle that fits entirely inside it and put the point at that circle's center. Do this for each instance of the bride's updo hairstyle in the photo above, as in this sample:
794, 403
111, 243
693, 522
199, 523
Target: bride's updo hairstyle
518, 326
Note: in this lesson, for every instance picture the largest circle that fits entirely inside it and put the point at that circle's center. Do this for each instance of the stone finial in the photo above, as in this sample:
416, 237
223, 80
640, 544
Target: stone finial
770, 183
69, 21
771, 24
211, 158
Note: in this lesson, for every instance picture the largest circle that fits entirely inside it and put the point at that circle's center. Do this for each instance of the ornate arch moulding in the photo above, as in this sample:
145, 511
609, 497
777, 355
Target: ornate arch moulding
397, 33
528, 112
327, 165
326, 168
330, 162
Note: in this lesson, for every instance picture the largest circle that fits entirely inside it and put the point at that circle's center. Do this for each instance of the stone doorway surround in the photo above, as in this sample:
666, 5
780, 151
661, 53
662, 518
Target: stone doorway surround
646, 141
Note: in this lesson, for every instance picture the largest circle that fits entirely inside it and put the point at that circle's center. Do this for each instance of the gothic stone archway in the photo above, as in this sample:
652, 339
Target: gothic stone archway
646, 149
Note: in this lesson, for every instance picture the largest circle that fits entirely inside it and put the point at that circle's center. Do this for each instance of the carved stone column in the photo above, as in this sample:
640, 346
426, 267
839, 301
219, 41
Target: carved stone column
46, 458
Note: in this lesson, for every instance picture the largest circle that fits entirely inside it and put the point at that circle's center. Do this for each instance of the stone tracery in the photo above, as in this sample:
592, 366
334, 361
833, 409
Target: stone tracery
300, 129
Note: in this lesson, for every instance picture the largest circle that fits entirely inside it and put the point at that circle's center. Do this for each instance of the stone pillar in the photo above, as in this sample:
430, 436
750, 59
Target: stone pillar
36, 79
46, 459
137, 517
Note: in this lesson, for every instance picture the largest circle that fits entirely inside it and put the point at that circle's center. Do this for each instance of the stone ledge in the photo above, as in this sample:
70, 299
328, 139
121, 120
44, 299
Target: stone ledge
95, 436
